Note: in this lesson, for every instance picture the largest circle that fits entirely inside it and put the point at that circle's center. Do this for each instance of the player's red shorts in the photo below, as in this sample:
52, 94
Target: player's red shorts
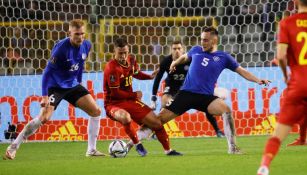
293, 107
137, 109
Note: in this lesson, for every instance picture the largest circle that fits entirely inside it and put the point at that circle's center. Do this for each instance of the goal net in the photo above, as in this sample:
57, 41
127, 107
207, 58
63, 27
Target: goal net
30, 28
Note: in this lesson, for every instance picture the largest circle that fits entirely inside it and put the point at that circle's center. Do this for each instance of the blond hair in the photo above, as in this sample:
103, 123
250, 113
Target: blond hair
78, 23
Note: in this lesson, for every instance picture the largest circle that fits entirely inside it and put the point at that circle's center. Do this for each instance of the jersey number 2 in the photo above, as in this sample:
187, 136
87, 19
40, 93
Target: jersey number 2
299, 38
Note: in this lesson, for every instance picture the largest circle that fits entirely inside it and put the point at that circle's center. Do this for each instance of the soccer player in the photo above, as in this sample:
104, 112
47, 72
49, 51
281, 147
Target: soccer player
174, 81
124, 105
291, 50
301, 140
197, 90
62, 80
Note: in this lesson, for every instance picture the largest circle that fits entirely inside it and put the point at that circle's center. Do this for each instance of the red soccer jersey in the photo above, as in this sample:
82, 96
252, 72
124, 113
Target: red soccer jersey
293, 31
117, 82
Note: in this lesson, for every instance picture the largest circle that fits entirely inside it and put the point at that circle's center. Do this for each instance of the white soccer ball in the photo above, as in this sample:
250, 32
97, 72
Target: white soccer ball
118, 148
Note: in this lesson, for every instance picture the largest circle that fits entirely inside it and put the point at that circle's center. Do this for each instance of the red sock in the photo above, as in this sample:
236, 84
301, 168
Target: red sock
163, 138
130, 131
303, 127
271, 149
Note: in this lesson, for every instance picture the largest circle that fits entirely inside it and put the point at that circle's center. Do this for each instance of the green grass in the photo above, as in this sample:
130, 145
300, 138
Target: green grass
201, 156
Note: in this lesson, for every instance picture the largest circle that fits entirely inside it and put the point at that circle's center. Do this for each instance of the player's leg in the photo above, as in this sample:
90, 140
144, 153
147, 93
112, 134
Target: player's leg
155, 124
213, 122
123, 116
272, 147
292, 111
302, 135
223, 94
28, 130
165, 100
303, 131
181, 103
88, 105
219, 107
146, 133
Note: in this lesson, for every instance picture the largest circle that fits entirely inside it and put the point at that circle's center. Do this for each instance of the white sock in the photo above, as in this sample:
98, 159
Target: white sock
144, 133
27, 131
93, 131
167, 151
229, 129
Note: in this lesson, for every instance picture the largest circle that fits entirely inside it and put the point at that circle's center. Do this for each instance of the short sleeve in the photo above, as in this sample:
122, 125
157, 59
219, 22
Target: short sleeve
231, 63
58, 53
191, 52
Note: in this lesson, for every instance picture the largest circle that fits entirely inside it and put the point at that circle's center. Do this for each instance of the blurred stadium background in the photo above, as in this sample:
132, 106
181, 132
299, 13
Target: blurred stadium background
30, 28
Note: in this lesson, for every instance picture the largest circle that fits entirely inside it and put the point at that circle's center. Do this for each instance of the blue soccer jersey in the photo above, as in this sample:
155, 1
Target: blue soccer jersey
205, 69
64, 69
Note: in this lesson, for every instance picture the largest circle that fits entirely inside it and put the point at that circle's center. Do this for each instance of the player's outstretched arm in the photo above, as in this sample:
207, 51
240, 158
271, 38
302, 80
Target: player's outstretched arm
250, 77
181, 60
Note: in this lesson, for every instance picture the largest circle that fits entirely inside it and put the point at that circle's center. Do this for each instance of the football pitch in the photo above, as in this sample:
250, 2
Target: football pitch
201, 156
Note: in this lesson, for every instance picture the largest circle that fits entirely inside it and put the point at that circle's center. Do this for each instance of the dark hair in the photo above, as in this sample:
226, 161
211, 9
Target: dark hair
176, 42
304, 2
212, 30
120, 42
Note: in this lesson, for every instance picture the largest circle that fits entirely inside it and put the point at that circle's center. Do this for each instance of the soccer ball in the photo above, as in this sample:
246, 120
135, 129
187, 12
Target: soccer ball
118, 148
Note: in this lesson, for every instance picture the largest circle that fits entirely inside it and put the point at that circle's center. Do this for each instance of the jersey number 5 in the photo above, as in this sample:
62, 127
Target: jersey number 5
205, 62
299, 38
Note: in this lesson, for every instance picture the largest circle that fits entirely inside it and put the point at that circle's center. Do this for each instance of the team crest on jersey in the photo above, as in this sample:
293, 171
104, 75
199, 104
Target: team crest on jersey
186, 67
83, 56
112, 78
216, 58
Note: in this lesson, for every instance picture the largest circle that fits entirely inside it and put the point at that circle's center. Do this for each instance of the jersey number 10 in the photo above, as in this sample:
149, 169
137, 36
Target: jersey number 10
128, 81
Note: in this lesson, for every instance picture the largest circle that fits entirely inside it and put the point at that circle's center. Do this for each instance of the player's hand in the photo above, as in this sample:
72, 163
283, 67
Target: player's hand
172, 68
265, 82
139, 94
153, 103
154, 73
45, 101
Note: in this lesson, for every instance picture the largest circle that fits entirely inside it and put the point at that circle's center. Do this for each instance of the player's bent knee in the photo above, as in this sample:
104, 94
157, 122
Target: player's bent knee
95, 113
156, 125
122, 116
125, 120
44, 118
227, 108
